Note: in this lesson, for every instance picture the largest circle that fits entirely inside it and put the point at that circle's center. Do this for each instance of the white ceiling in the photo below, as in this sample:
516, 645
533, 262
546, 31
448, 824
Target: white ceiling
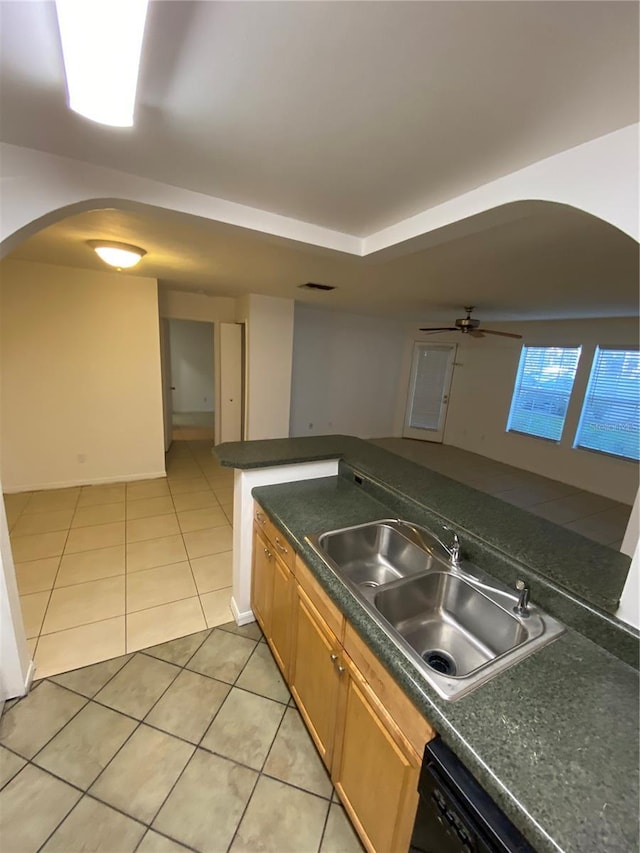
350, 115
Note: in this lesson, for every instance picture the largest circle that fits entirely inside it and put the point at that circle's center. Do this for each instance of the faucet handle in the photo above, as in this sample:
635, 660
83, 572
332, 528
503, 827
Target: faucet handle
522, 607
454, 551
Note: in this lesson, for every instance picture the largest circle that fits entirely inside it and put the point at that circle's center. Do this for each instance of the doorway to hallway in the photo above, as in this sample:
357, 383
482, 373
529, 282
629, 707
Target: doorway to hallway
189, 363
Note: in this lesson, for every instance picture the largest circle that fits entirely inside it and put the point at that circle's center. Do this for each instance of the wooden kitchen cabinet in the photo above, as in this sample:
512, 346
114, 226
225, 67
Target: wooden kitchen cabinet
262, 581
281, 609
367, 731
272, 588
375, 770
314, 675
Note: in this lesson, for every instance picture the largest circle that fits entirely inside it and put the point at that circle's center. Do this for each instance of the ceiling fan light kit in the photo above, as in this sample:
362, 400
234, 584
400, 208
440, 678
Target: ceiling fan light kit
470, 326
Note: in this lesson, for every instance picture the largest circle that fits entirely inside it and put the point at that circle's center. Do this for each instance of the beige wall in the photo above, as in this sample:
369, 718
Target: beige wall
80, 372
482, 388
269, 351
181, 305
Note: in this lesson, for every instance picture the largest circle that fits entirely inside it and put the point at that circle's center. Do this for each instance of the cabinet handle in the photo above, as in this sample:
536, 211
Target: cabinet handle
335, 661
261, 518
280, 547
268, 553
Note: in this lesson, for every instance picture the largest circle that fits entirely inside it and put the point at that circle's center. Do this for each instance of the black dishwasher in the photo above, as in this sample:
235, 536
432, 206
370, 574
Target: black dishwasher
455, 814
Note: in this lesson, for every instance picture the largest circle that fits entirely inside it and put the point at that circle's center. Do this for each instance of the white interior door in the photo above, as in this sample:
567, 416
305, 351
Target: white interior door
230, 382
428, 397
165, 368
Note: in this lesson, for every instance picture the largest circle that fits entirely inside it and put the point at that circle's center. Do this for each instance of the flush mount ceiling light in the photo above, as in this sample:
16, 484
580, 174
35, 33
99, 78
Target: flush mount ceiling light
101, 47
119, 255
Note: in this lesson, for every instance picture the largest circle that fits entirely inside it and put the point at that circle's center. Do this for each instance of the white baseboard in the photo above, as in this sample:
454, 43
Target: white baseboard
30, 676
241, 618
96, 481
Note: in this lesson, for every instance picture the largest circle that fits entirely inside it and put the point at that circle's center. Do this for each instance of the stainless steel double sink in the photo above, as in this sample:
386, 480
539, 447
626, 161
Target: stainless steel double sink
455, 624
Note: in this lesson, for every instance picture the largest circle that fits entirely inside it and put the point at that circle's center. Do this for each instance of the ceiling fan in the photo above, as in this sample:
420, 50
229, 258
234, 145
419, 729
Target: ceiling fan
470, 326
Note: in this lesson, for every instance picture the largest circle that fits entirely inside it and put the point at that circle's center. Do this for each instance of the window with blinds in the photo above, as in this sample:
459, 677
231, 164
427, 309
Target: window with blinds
543, 387
610, 419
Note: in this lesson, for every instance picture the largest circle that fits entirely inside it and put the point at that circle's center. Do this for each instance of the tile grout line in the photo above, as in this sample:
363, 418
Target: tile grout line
195, 747
259, 772
184, 545
53, 586
180, 668
126, 573
326, 820
74, 807
208, 488
136, 719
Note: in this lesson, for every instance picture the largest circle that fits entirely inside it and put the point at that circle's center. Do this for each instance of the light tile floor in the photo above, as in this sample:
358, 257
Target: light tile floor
104, 570
591, 515
194, 744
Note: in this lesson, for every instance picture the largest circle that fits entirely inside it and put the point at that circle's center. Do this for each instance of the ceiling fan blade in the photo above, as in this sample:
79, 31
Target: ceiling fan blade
476, 333
502, 334
441, 329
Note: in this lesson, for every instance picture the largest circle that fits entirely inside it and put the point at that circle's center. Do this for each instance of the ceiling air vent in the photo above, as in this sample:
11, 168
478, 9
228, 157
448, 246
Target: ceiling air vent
311, 285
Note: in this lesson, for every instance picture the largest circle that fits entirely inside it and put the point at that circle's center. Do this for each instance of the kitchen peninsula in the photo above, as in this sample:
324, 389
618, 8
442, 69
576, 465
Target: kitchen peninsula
553, 739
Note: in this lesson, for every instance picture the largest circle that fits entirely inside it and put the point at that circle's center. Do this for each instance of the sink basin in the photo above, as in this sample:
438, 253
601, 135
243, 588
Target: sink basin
371, 555
453, 627
458, 629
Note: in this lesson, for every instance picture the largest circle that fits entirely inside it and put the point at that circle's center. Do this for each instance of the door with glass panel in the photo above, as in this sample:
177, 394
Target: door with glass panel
428, 397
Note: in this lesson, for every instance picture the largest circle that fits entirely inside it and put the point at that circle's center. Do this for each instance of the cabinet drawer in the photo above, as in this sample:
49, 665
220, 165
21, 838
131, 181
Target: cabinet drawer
330, 613
280, 544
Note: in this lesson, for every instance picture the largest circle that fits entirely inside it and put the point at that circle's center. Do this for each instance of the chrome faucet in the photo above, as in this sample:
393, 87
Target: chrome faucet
453, 551
522, 607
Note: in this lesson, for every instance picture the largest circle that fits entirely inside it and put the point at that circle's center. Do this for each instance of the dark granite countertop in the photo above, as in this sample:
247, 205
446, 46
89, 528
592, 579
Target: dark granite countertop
582, 567
554, 739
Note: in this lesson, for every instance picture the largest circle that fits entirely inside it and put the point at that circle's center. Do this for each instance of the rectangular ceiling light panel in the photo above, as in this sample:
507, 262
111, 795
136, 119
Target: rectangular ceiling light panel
101, 47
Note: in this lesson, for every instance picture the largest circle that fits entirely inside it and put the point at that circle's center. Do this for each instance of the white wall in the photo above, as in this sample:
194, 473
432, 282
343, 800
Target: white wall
16, 666
346, 371
599, 176
269, 344
481, 392
192, 365
80, 372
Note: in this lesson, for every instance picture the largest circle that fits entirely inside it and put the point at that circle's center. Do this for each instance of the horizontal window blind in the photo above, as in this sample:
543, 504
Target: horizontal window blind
542, 391
610, 419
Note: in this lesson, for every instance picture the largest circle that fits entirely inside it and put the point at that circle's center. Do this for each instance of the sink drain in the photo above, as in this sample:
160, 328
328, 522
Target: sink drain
440, 661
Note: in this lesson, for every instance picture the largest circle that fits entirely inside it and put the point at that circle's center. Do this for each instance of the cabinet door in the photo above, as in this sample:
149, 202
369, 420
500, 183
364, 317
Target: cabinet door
375, 770
281, 615
314, 678
262, 581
